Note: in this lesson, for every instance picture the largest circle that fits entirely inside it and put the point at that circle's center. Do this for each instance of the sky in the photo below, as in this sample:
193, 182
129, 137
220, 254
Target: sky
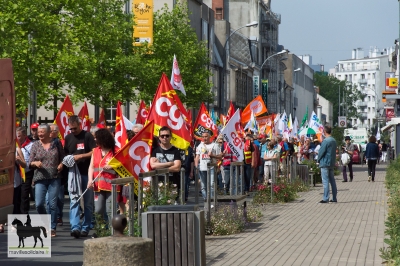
329, 30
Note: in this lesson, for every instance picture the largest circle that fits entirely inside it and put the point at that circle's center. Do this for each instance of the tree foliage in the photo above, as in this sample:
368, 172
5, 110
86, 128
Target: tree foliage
174, 35
84, 48
330, 87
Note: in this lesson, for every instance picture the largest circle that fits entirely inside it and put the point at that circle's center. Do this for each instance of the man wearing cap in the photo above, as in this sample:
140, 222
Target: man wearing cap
34, 132
349, 149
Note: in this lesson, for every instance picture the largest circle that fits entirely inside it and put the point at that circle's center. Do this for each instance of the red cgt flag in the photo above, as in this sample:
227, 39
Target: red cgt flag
230, 113
167, 110
66, 110
84, 117
134, 157
143, 113
203, 124
121, 137
102, 120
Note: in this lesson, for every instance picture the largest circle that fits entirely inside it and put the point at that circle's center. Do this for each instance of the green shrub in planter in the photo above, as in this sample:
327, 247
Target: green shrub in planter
391, 254
313, 167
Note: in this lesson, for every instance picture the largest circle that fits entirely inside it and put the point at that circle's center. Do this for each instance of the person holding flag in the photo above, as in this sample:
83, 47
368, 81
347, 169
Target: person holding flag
207, 152
26, 187
103, 172
79, 143
19, 176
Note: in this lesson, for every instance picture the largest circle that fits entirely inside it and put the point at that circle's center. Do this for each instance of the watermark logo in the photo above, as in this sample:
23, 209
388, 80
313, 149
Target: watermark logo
29, 236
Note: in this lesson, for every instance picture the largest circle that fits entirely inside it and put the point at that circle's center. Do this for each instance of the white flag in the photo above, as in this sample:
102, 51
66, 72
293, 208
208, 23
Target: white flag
231, 136
378, 134
128, 124
176, 79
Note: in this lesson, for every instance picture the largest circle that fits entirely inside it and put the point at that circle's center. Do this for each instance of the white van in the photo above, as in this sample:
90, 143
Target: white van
358, 136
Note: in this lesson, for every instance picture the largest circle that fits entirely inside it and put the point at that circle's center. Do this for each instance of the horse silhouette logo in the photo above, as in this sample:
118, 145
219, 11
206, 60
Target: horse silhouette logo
37, 227
27, 230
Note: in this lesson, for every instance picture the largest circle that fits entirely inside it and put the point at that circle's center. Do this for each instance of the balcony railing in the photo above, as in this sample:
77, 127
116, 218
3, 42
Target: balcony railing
362, 81
363, 115
362, 104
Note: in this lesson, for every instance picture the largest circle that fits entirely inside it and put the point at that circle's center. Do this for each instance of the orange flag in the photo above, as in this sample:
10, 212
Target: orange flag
167, 110
121, 137
102, 120
21, 169
203, 124
230, 113
84, 117
134, 157
66, 110
143, 112
258, 107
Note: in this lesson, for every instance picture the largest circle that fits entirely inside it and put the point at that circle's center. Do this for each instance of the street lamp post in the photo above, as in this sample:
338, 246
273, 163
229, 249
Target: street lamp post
226, 57
262, 65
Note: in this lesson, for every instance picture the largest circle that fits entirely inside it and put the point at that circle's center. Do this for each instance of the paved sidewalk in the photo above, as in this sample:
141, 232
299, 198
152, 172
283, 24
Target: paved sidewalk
303, 232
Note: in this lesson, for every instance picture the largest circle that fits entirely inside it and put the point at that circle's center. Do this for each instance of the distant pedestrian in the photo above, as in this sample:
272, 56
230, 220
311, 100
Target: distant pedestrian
349, 149
384, 151
327, 159
372, 155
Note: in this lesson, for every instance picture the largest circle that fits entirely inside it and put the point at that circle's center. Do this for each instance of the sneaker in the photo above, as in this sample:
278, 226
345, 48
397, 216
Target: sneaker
323, 201
369, 179
60, 222
344, 180
334, 201
84, 234
75, 233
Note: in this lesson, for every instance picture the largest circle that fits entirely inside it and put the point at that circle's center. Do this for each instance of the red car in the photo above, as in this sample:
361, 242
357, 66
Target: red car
356, 155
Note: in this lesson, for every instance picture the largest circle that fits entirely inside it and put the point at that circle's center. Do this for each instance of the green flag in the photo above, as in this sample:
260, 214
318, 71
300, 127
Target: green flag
304, 121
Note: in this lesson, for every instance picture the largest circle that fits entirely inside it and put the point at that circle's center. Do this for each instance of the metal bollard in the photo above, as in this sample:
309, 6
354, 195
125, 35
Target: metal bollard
208, 197
196, 185
183, 186
131, 211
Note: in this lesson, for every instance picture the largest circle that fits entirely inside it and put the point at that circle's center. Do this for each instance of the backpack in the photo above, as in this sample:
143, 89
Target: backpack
345, 158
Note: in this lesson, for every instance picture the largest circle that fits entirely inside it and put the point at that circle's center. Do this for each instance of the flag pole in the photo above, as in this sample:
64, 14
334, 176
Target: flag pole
94, 180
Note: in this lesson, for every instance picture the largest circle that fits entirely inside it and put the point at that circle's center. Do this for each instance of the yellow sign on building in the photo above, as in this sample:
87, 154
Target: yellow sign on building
143, 18
393, 83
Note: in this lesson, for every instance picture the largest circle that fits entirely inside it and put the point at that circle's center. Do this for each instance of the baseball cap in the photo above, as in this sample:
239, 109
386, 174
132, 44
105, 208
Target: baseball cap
347, 138
34, 125
261, 136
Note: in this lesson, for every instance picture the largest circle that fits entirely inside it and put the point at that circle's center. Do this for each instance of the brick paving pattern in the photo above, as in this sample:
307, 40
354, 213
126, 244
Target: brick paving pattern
349, 232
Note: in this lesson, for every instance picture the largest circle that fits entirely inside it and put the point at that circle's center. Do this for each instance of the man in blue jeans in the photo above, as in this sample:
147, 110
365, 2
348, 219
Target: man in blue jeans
80, 144
326, 160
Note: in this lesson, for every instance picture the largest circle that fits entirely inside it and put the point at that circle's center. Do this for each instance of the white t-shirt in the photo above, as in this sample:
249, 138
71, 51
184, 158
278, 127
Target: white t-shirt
270, 153
203, 150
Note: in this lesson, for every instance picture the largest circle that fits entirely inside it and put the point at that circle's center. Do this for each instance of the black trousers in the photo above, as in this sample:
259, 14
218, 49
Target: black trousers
17, 200
371, 168
26, 188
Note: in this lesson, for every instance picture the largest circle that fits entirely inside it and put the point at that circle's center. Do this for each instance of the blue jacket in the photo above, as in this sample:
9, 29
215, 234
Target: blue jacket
372, 151
327, 153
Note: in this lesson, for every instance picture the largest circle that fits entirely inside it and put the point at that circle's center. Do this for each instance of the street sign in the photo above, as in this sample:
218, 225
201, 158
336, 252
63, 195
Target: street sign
342, 121
256, 84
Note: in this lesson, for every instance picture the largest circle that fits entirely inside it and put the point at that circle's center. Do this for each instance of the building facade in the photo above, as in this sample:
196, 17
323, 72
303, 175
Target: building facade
367, 73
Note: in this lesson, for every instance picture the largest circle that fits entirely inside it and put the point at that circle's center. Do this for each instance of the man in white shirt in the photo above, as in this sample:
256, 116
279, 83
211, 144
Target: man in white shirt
207, 152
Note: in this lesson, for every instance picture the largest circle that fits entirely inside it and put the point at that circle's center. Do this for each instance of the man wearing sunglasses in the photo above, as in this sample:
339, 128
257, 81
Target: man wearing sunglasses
80, 144
167, 156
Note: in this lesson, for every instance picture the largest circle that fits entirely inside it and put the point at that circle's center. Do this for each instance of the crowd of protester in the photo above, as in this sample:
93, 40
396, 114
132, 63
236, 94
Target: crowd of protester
52, 165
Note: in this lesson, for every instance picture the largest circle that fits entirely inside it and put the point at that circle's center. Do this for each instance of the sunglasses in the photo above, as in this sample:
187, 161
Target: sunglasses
164, 136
